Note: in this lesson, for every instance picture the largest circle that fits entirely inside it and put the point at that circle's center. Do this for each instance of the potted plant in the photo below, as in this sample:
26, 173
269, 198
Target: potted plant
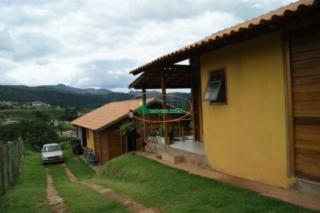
160, 138
130, 130
153, 137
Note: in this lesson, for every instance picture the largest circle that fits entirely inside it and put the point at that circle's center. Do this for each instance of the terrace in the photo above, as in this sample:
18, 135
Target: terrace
175, 76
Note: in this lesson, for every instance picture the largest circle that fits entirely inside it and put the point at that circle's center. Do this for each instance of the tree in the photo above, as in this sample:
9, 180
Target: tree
70, 114
9, 132
37, 132
60, 128
34, 132
42, 116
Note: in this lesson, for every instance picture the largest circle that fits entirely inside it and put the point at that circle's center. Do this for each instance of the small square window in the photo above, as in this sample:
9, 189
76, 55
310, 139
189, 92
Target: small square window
216, 88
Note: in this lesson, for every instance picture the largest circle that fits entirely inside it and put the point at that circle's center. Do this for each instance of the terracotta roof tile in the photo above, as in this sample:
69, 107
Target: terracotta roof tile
107, 114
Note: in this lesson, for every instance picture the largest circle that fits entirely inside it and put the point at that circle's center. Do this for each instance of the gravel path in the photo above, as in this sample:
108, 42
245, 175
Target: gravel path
109, 193
55, 201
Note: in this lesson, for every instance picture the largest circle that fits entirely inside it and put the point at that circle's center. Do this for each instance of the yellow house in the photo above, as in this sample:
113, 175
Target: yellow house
256, 94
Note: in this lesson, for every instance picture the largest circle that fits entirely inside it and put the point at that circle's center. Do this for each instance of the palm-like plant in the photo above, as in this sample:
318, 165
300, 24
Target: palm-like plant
128, 128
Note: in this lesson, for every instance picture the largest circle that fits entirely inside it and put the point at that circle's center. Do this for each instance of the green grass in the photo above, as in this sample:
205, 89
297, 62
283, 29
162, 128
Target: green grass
29, 194
172, 190
79, 168
79, 198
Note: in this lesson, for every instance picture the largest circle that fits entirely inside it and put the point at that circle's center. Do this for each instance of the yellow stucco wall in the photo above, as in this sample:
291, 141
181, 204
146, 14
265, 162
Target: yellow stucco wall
90, 139
247, 137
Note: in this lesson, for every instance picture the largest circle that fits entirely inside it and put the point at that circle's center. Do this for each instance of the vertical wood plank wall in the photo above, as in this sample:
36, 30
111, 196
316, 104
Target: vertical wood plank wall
305, 75
104, 146
97, 144
114, 145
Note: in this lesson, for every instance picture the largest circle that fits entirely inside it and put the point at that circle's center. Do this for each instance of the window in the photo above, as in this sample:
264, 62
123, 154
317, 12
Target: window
216, 88
51, 148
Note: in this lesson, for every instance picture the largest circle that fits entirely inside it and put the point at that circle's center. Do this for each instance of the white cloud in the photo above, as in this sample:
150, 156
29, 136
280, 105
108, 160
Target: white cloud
94, 43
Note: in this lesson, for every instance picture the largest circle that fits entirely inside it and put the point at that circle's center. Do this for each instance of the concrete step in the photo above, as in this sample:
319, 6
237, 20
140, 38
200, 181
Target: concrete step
172, 158
308, 187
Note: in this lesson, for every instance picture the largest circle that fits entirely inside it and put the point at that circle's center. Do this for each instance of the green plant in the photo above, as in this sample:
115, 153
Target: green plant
159, 132
147, 181
153, 134
128, 128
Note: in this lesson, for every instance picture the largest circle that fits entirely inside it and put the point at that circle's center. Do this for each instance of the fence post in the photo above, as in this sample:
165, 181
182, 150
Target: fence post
1, 170
10, 159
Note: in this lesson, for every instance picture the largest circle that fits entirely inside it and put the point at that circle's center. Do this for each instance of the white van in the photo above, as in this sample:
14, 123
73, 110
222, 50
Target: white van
51, 153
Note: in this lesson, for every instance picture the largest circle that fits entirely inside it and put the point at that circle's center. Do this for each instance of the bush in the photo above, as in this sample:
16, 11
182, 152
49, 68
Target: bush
34, 132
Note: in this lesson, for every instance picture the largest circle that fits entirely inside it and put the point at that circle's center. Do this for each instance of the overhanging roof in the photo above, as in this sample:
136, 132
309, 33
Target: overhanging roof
107, 115
256, 26
176, 76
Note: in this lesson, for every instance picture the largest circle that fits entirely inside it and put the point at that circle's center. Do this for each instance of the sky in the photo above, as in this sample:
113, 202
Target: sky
95, 43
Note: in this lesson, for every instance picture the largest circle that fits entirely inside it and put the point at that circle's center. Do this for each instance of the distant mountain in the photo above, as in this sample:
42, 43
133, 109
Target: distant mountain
58, 95
156, 94
91, 91
67, 96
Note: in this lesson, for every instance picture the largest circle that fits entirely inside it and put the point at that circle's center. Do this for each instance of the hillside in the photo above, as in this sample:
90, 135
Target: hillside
91, 91
58, 96
67, 96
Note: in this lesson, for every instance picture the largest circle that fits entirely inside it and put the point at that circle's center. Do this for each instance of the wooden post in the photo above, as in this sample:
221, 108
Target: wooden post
164, 106
144, 102
100, 143
196, 100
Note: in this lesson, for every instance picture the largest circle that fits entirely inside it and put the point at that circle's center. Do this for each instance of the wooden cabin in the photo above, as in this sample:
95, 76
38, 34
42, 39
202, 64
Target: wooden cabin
256, 94
99, 130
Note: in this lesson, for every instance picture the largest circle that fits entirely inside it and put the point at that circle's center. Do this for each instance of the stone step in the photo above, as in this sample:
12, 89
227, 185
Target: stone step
307, 186
172, 158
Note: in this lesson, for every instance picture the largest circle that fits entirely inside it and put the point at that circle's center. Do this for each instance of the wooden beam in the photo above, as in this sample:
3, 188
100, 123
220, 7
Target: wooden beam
167, 64
144, 101
196, 101
144, 96
175, 79
171, 68
164, 106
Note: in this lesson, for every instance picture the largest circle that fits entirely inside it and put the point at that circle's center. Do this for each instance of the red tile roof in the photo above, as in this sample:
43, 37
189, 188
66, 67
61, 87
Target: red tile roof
107, 115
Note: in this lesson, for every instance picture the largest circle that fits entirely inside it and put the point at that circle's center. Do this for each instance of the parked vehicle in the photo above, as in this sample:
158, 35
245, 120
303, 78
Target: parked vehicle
52, 153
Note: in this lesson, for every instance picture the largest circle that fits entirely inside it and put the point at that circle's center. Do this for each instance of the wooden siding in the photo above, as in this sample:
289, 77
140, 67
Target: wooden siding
305, 66
108, 143
104, 151
97, 143
114, 139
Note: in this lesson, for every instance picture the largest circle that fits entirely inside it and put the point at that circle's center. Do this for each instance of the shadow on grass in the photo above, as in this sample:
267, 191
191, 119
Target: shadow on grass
79, 168
171, 190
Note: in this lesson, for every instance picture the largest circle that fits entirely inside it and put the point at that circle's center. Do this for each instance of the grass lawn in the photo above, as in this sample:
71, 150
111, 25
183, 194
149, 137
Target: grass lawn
172, 190
79, 198
79, 168
29, 194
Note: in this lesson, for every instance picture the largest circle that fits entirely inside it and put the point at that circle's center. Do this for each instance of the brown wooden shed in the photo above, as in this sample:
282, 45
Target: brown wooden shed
99, 130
